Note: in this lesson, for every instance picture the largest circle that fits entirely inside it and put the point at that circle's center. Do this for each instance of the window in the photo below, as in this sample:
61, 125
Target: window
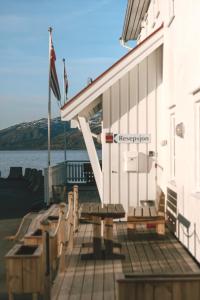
171, 11
197, 146
172, 147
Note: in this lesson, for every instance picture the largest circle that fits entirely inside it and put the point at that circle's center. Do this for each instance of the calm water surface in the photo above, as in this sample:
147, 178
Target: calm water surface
36, 159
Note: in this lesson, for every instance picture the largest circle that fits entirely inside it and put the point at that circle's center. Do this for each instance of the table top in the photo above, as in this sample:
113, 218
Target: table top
114, 211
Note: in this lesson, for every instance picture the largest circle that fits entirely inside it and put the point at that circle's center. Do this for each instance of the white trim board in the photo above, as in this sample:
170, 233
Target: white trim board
92, 153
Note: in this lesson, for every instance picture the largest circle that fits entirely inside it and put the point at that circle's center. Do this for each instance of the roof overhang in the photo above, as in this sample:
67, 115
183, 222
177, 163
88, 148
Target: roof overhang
89, 99
135, 12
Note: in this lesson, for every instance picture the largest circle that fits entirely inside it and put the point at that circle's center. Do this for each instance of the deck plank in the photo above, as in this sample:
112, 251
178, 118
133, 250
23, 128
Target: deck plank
146, 267
117, 264
122, 238
153, 261
109, 285
167, 253
164, 265
97, 293
134, 259
187, 258
145, 252
70, 271
87, 287
77, 284
176, 255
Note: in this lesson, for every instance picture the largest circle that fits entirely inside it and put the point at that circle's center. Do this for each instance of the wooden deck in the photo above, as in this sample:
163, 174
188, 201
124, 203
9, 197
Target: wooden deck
145, 252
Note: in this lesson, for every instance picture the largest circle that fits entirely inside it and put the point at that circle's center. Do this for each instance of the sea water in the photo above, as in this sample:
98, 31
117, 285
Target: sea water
37, 159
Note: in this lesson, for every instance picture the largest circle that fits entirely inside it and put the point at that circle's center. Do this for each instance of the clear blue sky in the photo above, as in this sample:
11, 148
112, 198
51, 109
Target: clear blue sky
85, 32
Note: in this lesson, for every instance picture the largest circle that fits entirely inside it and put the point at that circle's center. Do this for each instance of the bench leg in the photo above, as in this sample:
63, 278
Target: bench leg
10, 295
130, 225
160, 228
34, 296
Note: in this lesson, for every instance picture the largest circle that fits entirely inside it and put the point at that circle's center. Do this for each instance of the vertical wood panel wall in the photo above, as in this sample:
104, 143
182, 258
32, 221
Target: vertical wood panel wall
130, 107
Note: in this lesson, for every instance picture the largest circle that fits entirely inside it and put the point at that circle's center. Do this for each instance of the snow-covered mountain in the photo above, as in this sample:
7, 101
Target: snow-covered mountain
33, 135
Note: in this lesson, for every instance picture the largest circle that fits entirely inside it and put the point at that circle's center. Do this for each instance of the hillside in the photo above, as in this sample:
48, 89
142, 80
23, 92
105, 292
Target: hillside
33, 136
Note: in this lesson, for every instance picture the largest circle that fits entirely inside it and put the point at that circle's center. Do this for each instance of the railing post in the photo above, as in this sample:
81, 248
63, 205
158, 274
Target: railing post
62, 237
46, 259
76, 218
71, 220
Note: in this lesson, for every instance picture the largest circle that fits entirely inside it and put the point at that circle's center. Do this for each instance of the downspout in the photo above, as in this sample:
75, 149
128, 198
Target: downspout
123, 44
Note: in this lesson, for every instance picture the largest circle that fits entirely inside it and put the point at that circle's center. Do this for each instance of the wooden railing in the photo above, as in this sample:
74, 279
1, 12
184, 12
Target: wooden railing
69, 172
54, 237
57, 241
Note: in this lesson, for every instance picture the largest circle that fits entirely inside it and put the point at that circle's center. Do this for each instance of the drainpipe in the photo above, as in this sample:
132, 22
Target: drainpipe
123, 44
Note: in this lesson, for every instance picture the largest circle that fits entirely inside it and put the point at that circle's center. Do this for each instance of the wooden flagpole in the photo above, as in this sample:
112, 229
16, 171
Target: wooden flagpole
49, 122
64, 100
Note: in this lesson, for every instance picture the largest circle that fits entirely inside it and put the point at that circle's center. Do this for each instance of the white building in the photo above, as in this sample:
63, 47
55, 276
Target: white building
151, 106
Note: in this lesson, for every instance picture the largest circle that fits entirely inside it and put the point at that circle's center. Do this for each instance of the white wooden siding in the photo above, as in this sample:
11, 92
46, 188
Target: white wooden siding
106, 161
115, 106
130, 106
133, 127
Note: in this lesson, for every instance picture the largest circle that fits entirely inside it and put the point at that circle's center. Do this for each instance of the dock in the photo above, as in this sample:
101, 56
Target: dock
145, 253
56, 258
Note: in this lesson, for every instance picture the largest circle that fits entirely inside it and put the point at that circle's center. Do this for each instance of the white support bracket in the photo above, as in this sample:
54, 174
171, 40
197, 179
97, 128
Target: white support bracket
92, 153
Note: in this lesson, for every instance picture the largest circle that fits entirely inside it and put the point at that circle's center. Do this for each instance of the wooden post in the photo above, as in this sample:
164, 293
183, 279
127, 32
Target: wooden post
62, 238
34, 296
160, 228
97, 237
71, 220
45, 224
76, 218
108, 236
10, 295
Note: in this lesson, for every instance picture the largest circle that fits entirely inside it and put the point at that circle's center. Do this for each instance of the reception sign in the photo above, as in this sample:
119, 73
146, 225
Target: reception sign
132, 138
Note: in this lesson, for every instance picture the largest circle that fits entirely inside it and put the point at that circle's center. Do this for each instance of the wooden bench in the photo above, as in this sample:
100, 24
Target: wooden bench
143, 215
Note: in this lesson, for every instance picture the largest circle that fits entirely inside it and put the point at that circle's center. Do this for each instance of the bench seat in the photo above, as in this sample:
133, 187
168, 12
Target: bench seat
143, 215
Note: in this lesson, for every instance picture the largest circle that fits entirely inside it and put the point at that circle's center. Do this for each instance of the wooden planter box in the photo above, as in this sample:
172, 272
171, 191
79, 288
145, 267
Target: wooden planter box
53, 221
34, 238
24, 269
159, 286
55, 242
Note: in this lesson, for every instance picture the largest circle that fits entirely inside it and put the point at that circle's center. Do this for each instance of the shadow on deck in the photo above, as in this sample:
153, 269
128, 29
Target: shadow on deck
145, 252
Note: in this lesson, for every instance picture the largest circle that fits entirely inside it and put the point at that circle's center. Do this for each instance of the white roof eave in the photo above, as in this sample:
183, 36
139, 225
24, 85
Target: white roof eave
135, 12
77, 104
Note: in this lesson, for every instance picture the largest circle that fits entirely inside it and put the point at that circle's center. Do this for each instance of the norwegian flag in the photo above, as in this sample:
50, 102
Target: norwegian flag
54, 85
65, 80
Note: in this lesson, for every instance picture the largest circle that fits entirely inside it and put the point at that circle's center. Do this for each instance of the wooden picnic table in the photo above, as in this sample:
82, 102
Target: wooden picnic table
95, 213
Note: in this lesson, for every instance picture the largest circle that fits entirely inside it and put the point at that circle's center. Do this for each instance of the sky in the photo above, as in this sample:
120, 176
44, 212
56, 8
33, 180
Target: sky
85, 32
